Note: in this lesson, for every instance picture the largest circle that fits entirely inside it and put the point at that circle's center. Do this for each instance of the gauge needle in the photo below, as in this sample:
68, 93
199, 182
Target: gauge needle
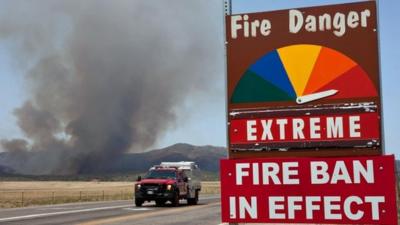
315, 96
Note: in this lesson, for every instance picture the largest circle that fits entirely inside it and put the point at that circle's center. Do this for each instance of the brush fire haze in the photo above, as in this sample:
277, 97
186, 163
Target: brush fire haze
104, 77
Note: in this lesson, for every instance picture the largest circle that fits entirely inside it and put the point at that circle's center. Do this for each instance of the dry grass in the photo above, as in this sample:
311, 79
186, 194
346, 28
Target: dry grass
17, 194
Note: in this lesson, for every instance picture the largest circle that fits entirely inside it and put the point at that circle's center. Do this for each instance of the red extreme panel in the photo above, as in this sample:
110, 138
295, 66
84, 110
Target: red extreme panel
312, 128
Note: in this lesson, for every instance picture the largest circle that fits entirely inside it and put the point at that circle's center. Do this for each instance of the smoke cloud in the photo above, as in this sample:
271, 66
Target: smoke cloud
105, 77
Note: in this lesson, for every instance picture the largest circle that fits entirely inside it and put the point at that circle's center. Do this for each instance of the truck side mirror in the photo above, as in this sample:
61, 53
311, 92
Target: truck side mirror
185, 179
139, 178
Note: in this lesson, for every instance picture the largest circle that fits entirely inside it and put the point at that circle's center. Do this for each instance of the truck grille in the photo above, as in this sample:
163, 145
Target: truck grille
153, 187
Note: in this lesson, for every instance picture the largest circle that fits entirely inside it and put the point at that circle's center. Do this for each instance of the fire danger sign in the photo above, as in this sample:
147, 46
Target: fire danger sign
304, 79
358, 190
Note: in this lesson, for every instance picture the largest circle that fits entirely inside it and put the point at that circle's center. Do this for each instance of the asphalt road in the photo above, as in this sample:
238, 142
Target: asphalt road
116, 213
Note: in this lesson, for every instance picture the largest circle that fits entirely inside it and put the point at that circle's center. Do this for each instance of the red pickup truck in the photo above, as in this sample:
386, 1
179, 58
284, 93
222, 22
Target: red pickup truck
167, 183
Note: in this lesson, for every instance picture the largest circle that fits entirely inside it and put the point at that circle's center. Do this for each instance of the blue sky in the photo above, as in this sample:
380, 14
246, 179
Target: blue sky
207, 124
11, 96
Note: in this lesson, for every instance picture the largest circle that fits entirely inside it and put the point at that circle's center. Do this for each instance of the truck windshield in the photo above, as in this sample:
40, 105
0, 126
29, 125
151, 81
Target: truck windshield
161, 174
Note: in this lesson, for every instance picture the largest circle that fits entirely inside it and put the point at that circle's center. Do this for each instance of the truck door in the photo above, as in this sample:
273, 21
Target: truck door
181, 183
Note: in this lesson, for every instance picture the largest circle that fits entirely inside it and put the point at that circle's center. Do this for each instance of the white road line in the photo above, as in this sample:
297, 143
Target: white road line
58, 208
60, 213
137, 209
75, 205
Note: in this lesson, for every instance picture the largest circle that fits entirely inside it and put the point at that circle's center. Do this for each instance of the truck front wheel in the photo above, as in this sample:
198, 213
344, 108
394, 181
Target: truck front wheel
175, 200
139, 202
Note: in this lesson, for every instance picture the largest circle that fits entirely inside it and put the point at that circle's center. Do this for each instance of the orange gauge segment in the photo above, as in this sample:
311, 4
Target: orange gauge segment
329, 66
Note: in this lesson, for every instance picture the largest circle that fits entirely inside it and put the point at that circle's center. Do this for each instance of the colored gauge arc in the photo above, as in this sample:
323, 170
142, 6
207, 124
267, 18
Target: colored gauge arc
302, 74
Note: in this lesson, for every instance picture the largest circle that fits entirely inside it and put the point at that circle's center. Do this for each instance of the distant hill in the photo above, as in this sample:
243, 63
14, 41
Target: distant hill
207, 157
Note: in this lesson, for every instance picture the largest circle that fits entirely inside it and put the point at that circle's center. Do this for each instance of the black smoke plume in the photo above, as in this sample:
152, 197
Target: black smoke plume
105, 77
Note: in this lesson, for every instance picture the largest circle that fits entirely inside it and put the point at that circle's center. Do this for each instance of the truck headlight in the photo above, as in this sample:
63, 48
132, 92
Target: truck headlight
138, 186
169, 187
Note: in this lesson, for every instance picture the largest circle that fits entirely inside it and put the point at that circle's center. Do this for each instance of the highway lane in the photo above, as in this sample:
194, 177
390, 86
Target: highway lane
115, 212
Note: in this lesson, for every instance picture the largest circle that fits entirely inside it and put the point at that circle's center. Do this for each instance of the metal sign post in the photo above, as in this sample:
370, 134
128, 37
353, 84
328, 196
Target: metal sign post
227, 11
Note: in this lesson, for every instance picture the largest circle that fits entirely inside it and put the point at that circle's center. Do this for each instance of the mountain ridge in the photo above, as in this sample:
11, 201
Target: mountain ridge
207, 157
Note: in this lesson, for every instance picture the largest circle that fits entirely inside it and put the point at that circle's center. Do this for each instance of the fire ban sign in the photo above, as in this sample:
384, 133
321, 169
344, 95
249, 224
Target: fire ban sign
302, 80
357, 190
